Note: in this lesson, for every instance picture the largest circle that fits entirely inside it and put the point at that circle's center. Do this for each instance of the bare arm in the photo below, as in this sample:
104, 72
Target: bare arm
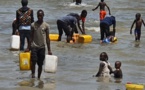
100, 69
80, 27
143, 22
108, 9
83, 27
132, 26
96, 7
48, 41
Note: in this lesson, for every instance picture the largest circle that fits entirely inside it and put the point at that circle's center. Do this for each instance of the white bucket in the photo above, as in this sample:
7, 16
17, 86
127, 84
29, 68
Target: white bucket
50, 64
15, 42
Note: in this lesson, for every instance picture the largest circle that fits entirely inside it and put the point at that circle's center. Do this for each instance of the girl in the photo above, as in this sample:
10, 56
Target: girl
104, 69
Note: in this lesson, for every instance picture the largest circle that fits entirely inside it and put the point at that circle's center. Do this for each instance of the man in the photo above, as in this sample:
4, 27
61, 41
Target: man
79, 18
24, 17
39, 35
68, 25
102, 6
105, 26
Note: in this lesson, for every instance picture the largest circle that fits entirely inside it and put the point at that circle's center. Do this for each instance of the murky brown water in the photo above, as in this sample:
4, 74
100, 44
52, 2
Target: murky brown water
77, 62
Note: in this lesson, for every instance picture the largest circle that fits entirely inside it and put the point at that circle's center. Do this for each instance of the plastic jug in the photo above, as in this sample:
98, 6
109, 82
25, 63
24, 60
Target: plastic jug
24, 58
50, 63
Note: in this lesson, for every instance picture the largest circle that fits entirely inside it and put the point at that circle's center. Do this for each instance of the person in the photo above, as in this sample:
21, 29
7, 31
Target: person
81, 17
24, 17
109, 39
68, 25
102, 6
104, 69
118, 72
105, 26
78, 2
39, 35
138, 21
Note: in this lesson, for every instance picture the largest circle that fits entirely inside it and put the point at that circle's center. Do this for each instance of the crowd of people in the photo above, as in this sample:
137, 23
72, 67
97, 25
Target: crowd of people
36, 34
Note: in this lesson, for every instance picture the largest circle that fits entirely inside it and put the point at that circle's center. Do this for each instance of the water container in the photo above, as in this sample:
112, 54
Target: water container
24, 58
15, 42
134, 87
50, 64
53, 37
85, 39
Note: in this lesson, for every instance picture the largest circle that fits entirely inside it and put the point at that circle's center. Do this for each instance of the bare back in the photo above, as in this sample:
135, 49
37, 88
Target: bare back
102, 5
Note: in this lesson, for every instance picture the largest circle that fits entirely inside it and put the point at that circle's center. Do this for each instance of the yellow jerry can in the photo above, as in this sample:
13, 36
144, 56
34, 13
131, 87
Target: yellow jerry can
24, 58
53, 37
85, 39
134, 87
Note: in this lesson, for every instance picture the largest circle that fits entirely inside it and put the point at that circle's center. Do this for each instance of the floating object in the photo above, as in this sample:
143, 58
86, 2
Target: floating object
24, 58
53, 37
134, 87
15, 42
50, 65
85, 39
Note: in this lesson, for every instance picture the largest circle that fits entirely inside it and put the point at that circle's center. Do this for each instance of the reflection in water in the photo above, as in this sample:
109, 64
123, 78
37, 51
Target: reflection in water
104, 79
118, 80
137, 44
40, 84
50, 85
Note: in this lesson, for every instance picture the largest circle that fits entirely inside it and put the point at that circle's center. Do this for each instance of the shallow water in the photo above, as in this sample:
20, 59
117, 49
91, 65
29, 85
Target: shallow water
77, 62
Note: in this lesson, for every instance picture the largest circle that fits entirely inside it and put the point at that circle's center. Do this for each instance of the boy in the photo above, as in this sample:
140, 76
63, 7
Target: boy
118, 71
102, 5
81, 17
138, 21
39, 35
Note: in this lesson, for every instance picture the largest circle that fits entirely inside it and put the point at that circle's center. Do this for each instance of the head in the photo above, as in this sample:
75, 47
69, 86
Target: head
113, 39
138, 15
40, 15
117, 64
83, 13
103, 56
24, 2
102, 0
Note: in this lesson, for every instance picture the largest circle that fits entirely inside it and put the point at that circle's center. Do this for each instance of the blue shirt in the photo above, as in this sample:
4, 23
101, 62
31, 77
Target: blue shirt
109, 20
69, 20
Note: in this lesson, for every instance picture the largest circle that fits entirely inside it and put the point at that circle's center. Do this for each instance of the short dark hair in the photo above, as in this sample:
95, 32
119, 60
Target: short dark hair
40, 10
84, 13
24, 2
105, 55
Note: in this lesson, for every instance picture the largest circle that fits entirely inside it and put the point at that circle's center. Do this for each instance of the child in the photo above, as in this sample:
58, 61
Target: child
109, 39
104, 69
118, 71
102, 5
138, 21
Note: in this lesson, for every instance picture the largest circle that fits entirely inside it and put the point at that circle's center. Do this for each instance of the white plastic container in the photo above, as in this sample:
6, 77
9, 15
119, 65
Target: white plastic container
50, 63
15, 42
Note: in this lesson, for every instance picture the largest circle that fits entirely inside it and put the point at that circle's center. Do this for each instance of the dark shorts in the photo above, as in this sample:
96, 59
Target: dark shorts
38, 55
137, 31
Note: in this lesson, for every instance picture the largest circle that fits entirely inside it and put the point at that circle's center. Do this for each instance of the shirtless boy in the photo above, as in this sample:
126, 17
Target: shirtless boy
138, 21
102, 6
118, 71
